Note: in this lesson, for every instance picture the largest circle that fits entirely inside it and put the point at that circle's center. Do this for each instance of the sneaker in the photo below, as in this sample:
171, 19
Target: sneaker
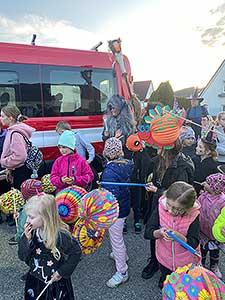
23, 277
111, 255
12, 241
150, 269
117, 279
137, 228
125, 227
215, 269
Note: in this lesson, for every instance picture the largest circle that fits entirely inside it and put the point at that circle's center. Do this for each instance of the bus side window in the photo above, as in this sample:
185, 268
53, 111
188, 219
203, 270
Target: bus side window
8, 88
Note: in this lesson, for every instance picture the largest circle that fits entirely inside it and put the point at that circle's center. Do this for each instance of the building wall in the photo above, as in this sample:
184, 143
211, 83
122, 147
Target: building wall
215, 88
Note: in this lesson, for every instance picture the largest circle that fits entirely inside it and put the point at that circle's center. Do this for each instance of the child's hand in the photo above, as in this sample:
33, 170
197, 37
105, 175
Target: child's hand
16, 215
56, 277
67, 180
165, 235
28, 230
151, 188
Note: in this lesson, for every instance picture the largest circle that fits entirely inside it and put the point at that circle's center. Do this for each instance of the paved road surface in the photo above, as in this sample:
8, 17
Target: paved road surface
91, 274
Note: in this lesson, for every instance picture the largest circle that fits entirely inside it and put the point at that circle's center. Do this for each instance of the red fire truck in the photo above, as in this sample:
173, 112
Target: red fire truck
53, 84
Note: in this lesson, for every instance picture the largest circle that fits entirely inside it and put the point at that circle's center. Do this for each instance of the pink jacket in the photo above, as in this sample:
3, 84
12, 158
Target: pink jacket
169, 253
211, 206
72, 165
14, 152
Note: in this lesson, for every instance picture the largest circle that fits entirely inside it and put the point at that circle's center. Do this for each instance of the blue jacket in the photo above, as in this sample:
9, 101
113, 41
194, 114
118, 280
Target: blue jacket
119, 170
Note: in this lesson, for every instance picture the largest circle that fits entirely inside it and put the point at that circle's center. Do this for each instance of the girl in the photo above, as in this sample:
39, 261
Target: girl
169, 166
177, 212
118, 169
49, 250
14, 152
206, 160
212, 200
221, 137
70, 168
187, 137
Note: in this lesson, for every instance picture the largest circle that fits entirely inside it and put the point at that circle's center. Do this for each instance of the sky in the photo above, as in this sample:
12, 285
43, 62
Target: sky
177, 40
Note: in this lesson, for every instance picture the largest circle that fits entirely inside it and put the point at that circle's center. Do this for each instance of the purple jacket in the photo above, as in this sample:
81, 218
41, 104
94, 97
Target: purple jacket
72, 165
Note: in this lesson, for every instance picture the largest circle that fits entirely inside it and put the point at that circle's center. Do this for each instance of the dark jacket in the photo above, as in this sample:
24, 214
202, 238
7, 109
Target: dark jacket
119, 170
2, 139
203, 169
189, 151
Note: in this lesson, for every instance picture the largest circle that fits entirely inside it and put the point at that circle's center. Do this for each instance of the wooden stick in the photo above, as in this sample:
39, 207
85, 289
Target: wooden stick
14, 204
44, 289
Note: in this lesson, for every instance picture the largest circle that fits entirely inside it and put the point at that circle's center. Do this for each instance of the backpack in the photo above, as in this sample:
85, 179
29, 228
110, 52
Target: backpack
34, 156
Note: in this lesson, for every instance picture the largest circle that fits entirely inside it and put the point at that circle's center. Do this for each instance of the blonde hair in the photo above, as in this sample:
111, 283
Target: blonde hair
14, 112
219, 117
45, 206
63, 125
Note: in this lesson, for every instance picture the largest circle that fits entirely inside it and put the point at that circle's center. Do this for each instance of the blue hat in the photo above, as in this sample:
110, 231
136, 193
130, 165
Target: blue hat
67, 139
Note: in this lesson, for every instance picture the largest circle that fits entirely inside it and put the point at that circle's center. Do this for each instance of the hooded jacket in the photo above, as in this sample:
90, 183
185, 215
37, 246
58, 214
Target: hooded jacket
14, 152
220, 144
72, 165
119, 170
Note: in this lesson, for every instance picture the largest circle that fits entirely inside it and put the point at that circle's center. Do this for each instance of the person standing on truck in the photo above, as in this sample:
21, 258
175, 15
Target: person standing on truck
119, 122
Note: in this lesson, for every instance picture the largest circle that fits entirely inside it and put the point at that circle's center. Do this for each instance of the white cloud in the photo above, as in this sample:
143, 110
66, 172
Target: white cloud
49, 32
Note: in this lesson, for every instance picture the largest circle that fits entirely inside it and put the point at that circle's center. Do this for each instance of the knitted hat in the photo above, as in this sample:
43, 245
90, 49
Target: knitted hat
113, 148
30, 188
67, 139
186, 132
134, 143
216, 182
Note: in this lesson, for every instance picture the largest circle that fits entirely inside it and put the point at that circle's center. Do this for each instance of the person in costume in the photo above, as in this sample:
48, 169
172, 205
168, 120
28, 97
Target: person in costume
196, 112
70, 168
119, 121
177, 212
212, 200
205, 160
118, 169
49, 250
169, 166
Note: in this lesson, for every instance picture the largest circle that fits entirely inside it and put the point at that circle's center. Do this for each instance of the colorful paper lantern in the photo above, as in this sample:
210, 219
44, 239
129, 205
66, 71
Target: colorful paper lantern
88, 239
99, 208
47, 186
11, 201
67, 201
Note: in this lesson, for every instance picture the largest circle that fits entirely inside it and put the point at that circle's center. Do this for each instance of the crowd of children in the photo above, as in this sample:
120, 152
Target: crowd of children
184, 187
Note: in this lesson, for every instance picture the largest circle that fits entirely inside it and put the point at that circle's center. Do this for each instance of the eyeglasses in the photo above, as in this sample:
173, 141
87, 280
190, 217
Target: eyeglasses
175, 210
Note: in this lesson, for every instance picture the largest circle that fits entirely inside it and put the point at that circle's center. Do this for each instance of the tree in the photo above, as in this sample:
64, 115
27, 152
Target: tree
164, 94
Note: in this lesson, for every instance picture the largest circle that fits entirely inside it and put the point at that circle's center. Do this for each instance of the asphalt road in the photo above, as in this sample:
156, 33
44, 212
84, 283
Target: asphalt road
91, 274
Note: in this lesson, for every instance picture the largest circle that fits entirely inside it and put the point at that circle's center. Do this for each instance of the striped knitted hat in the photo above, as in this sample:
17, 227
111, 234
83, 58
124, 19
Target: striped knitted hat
30, 188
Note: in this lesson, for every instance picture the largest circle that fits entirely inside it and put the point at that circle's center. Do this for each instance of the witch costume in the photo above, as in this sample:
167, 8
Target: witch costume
43, 264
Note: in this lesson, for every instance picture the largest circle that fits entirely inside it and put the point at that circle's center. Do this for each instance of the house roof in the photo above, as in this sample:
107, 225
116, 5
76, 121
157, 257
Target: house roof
185, 93
141, 88
213, 77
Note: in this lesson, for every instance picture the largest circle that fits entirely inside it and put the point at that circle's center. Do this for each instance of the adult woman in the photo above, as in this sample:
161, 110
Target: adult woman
119, 121
169, 166
14, 152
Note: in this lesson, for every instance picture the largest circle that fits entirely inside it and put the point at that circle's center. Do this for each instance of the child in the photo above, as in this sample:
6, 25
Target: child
49, 250
221, 137
83, 147
29, 188
118, 169
212, 200
179, 213
187, 137
206, 160
70, 168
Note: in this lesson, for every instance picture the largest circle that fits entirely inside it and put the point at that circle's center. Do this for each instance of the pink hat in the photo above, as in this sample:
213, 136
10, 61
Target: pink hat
216, 182
30, 188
